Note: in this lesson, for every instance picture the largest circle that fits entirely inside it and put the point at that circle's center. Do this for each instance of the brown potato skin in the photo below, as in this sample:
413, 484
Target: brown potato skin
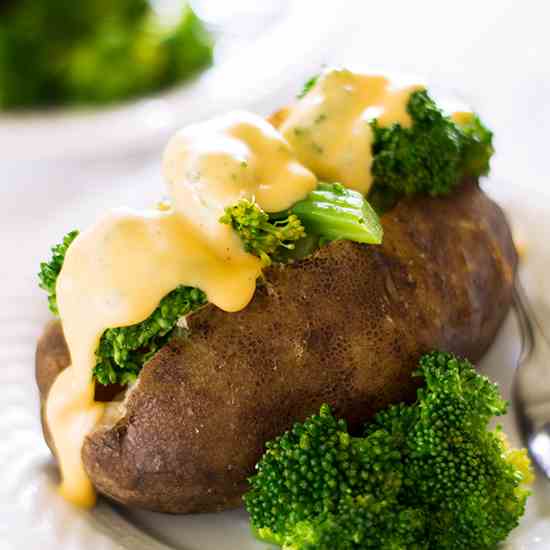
345, 327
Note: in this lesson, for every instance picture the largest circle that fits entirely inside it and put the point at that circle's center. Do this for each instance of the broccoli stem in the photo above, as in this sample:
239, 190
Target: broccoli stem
335, 212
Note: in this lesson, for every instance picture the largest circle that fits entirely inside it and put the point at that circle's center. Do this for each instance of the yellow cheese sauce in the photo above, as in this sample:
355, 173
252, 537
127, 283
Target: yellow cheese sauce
462, 118
115, 273
236, 155
329, 128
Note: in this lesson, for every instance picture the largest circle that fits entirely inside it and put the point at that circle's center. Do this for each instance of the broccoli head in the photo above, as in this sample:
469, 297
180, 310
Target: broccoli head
461, 470
123, 351
259, 234
429, 475
477, 147
331, 211
94, 51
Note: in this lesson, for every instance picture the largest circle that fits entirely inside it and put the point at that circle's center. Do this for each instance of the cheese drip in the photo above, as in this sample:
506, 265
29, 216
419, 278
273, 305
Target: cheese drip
116, 272
329, 128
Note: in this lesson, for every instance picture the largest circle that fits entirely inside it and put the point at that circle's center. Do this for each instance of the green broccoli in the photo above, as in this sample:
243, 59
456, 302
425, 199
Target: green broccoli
123, 351
333, 212
328, 213
260, 235
432, 155
310, 82
95, 51
429, 475
477, 147
50, 270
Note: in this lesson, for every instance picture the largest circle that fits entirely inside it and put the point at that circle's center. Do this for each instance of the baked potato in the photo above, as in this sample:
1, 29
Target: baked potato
345, 326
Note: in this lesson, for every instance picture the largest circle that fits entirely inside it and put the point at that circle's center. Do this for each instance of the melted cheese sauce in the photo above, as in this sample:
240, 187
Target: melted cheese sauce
462, 118
116, 273
329, 128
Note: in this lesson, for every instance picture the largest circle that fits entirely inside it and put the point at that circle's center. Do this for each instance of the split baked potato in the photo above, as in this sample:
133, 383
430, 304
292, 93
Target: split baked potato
344, 327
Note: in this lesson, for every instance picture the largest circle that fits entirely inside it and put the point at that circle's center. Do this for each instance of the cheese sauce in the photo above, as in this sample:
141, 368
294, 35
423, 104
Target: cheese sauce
329, 128
462, 118
116, 273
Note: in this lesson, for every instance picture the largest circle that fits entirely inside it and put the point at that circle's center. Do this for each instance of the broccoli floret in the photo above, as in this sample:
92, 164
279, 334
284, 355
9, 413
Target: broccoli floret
123, 351
329, 212
477, 147
50, 270
259, 234
432, 155
333, 212
429, 475
94, 51
317, 487
461, 470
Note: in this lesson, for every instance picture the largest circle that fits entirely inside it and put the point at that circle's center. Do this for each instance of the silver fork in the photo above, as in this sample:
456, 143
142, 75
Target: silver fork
531, 387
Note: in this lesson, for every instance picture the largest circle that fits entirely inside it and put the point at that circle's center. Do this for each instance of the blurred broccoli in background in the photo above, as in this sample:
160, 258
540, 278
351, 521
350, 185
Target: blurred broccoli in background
94, 51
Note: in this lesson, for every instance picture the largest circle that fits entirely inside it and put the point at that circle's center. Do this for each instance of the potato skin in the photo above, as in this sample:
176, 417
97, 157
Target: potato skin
345, 327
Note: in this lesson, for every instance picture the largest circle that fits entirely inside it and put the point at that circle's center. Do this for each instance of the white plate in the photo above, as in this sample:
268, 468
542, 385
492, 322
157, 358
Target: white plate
32, 515
252, 65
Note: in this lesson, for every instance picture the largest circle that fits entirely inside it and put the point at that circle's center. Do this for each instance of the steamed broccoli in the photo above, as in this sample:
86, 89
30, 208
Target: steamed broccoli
477, 147
95, 51
260, 235
123, 351
328, 213
310, 82
429, 475
432, 155
50, 270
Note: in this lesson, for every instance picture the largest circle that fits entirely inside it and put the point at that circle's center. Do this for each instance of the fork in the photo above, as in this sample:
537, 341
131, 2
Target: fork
531, 386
